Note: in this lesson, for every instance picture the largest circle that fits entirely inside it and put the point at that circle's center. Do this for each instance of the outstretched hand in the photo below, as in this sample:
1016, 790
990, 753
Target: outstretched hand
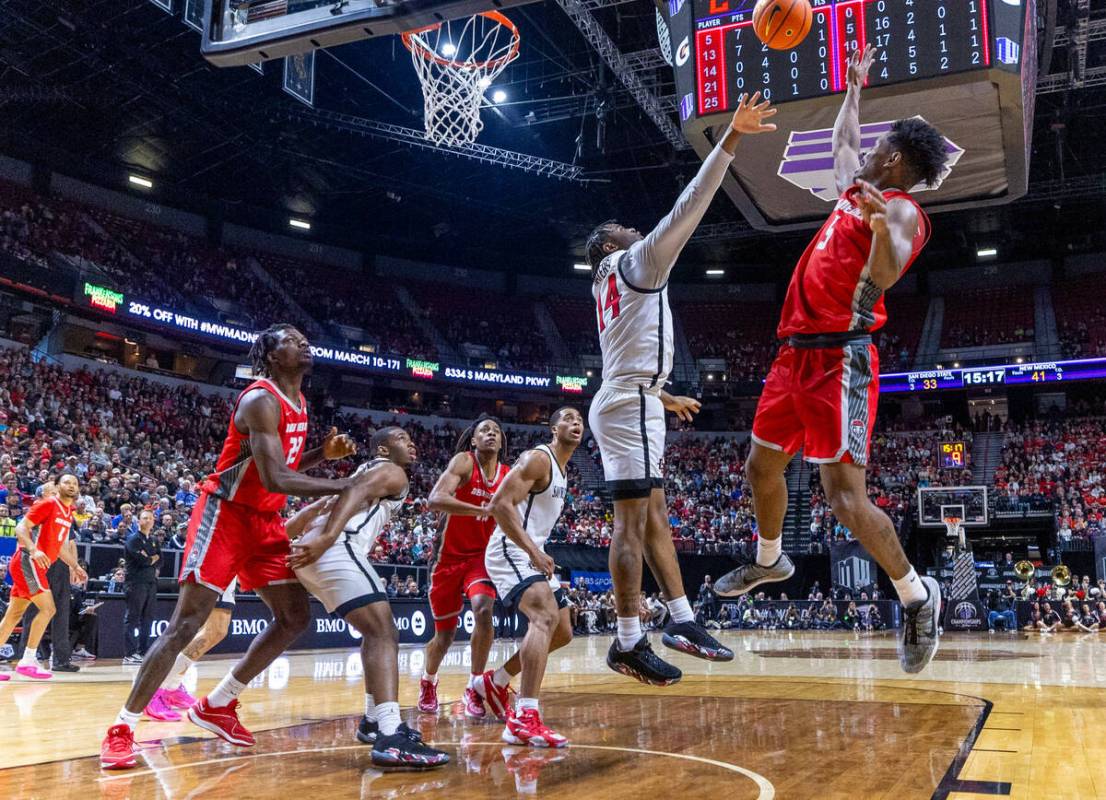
751, 113
859, 63
684, 408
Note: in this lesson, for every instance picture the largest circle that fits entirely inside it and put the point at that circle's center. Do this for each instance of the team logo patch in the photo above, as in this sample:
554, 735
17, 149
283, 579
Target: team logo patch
858, 423
964, 610
808, 159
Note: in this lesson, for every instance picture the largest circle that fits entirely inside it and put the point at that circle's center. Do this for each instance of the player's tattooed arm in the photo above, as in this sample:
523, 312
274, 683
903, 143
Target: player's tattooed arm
258, 415
846, 130
442, 497
335, 446
530, 474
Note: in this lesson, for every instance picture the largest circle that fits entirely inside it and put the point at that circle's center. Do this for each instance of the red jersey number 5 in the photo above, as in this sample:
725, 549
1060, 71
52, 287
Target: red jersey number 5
610, 303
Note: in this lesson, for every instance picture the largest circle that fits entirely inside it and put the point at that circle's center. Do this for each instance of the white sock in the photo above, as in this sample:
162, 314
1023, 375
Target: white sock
910, 588
176, 674
227, 690
127, 718
680, 610
525, 703
629, 632
370, 708
30, 658
474, 678
387, 718
768, 550
501, 678
426, 676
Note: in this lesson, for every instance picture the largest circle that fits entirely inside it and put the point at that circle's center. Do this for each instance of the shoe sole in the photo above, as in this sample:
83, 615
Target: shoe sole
129, 764
622, 669
211, 727
403, 766
366, 739
510, 738
161, 718
425, 710
755, 584
690, 648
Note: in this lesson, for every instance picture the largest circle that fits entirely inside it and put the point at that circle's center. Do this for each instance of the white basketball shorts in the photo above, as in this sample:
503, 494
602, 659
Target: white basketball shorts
629, 427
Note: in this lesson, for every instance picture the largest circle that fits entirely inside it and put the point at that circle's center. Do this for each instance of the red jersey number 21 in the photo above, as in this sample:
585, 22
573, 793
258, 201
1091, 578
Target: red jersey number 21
609, 303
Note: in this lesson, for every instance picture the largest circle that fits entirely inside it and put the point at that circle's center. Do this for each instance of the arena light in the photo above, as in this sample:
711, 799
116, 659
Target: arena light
449, 48
499, 96
581, 267
138, 180
986, 252
302, 224
1019, 360
956, 365
715, 273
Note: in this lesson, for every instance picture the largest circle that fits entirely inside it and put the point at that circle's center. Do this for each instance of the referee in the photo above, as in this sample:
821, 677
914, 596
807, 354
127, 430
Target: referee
143, 560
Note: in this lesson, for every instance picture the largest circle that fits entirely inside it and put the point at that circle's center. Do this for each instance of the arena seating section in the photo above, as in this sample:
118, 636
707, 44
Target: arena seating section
978, 317
1081, 316
741, 333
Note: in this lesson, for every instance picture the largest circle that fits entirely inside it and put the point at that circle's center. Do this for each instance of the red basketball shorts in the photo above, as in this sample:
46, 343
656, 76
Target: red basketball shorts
28, 578
821, 400
228, 540
451, 582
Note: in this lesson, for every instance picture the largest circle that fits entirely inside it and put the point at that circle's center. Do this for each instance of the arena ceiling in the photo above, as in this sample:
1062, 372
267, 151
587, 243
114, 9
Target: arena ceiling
97, 88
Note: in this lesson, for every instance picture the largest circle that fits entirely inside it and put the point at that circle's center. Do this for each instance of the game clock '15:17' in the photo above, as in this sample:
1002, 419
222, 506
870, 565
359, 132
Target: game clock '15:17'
914, 39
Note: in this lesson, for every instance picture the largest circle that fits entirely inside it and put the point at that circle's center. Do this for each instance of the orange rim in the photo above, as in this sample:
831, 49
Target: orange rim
430, 55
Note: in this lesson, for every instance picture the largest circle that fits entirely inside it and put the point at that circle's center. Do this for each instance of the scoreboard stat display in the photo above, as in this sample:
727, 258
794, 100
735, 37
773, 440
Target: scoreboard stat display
966, 66
913, 38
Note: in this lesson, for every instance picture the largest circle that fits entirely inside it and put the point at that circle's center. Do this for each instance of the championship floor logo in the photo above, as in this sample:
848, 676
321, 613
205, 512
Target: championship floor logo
808, 159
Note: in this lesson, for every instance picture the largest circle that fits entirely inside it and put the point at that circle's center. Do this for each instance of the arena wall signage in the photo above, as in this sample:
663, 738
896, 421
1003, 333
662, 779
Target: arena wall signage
413, 620
112, 302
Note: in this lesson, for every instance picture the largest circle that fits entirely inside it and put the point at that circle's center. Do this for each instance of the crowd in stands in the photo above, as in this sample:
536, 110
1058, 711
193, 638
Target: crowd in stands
899, 463
1056, 464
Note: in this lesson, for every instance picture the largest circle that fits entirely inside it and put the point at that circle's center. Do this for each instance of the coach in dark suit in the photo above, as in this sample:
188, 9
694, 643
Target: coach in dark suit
143, 561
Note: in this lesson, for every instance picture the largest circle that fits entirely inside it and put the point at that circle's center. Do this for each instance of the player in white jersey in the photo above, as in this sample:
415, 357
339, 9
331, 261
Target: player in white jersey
630, 286
331, 560
526, 506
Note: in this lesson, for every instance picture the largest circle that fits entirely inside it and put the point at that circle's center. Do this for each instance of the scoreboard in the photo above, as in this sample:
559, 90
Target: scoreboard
966, 66
952, 455
914, 39
935, 380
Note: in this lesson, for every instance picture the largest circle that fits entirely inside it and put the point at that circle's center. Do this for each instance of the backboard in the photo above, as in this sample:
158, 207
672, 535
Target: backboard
239, 32
969, 503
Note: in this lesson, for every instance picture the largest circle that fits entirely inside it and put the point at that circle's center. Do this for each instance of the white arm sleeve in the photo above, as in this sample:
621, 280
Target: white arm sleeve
648, 263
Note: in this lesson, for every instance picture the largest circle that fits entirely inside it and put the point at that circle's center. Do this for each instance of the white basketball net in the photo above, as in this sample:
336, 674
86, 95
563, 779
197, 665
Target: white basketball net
456, 63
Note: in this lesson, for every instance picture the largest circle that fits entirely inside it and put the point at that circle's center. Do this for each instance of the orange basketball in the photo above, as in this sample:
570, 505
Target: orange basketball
782, 24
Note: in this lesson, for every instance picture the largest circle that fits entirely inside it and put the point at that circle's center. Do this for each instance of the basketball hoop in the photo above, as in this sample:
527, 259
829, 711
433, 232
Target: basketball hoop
456, 63
955, 530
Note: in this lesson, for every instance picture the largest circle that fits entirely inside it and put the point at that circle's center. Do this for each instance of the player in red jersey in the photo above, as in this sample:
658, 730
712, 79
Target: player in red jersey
822, 391
43, 536
236, 530
462, 493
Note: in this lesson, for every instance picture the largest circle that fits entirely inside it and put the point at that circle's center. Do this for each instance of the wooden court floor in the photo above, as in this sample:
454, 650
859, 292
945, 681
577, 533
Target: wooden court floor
796, 716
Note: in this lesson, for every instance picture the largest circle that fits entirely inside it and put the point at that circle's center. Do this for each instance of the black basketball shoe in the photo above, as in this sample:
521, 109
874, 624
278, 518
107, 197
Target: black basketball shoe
367, 731
404, 749
642, 664
693, 639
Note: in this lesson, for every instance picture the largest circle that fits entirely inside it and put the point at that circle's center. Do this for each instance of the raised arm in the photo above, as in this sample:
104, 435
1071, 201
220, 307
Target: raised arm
441, 496
259, 415
530, 472
846, 131
894, 224
649, 262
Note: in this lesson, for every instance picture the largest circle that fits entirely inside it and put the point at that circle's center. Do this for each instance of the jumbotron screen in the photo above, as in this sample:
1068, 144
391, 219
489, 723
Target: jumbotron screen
914, 39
